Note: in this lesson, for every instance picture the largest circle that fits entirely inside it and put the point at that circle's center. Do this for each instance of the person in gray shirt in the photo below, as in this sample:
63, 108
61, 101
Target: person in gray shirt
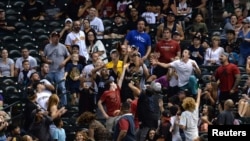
57, 55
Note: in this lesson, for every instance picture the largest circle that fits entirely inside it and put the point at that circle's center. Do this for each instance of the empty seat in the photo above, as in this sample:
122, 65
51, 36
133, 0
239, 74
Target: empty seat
14, 52
38, 24
42, 38
20, 24
24, 31
55, 24
9, 38
18, 4
40, 31
30, 45
26, 37
11, 46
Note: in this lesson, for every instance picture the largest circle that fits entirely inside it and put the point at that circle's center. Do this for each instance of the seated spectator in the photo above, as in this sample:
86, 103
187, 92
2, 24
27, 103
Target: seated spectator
118, 29
54, 10
231, 6
212, 54
230, 26
25, 56
96, 130
6, 64
35, 78
233, 56
94, 44
196, 50
59, 133
5, 26
206, 119
24, 75
3, 126
200, 6
243, 104
184, 8
226, 116
44, 71
82, 136
210, 94
14, 132
231, 40
151, 135
33, 10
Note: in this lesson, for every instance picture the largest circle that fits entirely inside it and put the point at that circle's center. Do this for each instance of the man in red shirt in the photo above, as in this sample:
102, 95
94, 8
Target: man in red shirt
168, 49
112, 100
228, 77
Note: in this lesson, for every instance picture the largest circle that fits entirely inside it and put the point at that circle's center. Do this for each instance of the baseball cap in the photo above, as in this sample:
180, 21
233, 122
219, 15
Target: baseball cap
68, 20
113, 51
156, 86
54, 33
245, 20
134, 47
176, 33
225, 54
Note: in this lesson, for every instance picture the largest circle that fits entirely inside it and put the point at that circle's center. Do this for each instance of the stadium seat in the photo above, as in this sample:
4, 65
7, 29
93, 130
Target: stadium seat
38, 24
11, 46
24, 31
20, 24
14, 53
30, 45
40, 31
2, 4
9, 38
26, 37
43, 37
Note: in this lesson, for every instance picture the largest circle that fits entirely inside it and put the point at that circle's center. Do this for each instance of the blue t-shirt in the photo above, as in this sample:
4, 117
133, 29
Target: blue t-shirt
139, 39
59, 134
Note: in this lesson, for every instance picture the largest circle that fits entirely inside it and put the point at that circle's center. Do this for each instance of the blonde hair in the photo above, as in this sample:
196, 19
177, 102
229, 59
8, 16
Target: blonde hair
53, 100
189, 104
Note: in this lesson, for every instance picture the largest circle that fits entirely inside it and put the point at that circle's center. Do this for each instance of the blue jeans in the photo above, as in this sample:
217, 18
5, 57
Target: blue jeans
55, 77
191, 86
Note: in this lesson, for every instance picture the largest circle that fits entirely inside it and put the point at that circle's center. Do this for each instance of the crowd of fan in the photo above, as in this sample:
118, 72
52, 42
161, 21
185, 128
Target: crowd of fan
145, 88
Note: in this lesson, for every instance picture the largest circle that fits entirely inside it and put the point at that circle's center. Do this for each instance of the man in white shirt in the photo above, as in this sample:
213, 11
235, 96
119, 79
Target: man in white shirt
77, 37
96, 23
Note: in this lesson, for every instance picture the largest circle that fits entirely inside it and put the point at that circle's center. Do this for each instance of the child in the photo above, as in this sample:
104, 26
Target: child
59, 133
23, 77
149, 15
14, 133
73, 70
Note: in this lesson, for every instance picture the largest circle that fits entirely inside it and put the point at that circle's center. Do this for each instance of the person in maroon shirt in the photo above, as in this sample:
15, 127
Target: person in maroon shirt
228, 77
168, 49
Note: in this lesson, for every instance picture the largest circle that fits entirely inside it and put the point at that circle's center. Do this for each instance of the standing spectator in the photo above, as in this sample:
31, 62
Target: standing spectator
95, 45
76, 36
86, 26
168, 50
206, 118
72, 9
149, 15
33, 10
231, 25
6, 64
189, 118
82, 59
111, 99
231, 40
140, 39
66, 30
25, 56
40, 125
106, 8
132, 20
210, 94
196, 50
96, 23
228, 77
125, 126
121, 6
172, 24
244, 34
184, 68
167, 6
54, 10
56, 55
96, 130
5, 26
72, 74
44, 71
118, 29
84, 8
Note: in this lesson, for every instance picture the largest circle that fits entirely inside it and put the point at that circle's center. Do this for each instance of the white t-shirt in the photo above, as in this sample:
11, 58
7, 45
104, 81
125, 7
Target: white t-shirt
176, 130
32, 61
42, 98
184, 70
78, 39
213, 55
149, 17
97, 25
98, 46
190, 120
